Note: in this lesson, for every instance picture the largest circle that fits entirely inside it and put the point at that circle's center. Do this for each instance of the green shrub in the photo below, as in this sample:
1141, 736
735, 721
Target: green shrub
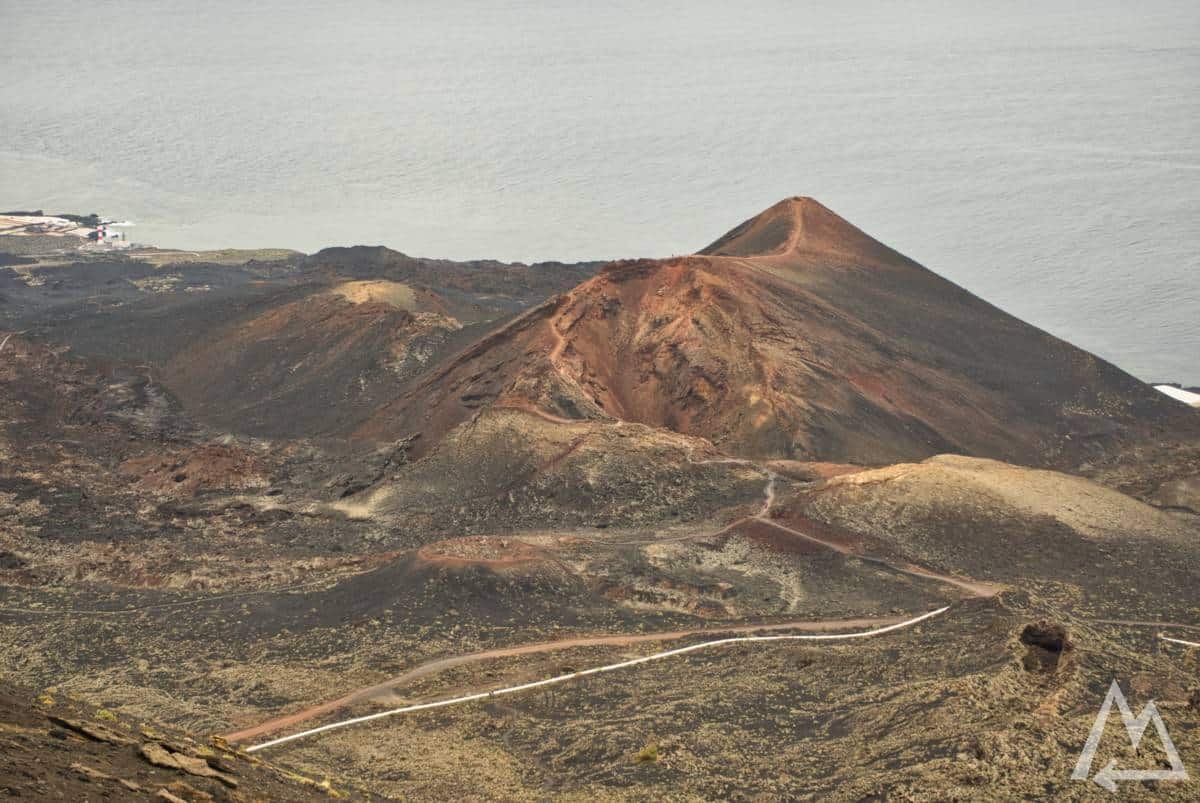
647, 753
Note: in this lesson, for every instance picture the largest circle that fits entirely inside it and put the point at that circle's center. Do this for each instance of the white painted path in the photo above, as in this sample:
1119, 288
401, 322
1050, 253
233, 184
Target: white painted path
594, 671
1179, 641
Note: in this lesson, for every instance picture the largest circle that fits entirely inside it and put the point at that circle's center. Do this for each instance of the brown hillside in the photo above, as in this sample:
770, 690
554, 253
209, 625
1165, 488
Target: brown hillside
314, 364
1009, 524
797, 336
800, 226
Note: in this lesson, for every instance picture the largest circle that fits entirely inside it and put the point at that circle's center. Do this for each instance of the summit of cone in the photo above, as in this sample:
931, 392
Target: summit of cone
795, 335
802, 226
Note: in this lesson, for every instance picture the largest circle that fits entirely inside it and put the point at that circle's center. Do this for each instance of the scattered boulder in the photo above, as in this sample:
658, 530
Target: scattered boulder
185, 791
160, 756
201, 769
78, 752
90, 773
94, 775
93, 730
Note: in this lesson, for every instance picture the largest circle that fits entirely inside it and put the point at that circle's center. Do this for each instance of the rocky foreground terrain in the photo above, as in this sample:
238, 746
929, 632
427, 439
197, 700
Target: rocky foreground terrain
247, 494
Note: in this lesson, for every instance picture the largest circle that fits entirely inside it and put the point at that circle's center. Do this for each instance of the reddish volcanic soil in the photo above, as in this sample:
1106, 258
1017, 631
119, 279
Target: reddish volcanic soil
794, 336
801, 226
203, 468
327, 359
491, 553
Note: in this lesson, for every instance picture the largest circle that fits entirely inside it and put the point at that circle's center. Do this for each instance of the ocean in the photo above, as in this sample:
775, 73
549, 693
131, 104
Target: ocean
1046, 156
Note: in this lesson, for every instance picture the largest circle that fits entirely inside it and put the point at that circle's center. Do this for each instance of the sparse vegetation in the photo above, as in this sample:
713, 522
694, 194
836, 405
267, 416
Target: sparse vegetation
225, 508
649, 753
224, 256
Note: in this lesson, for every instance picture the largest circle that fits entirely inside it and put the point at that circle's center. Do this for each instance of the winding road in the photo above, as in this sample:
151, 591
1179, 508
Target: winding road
435, 665
974, 588
1179, 641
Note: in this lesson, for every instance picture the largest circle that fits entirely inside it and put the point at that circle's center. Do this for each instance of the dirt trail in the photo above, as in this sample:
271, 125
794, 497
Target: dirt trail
569, 676
977, 589
560, 345
618, 640
542, 414
1146, 623
768, 495
974, 587
1184, 642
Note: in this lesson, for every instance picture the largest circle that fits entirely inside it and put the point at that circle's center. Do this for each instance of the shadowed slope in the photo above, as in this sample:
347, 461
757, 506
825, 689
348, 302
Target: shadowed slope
315, 364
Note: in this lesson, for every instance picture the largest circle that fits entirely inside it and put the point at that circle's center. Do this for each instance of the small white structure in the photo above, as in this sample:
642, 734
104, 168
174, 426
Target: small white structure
106, 235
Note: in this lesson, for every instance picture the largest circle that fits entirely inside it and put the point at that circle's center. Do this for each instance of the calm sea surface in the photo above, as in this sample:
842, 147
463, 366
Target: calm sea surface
1044, 155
